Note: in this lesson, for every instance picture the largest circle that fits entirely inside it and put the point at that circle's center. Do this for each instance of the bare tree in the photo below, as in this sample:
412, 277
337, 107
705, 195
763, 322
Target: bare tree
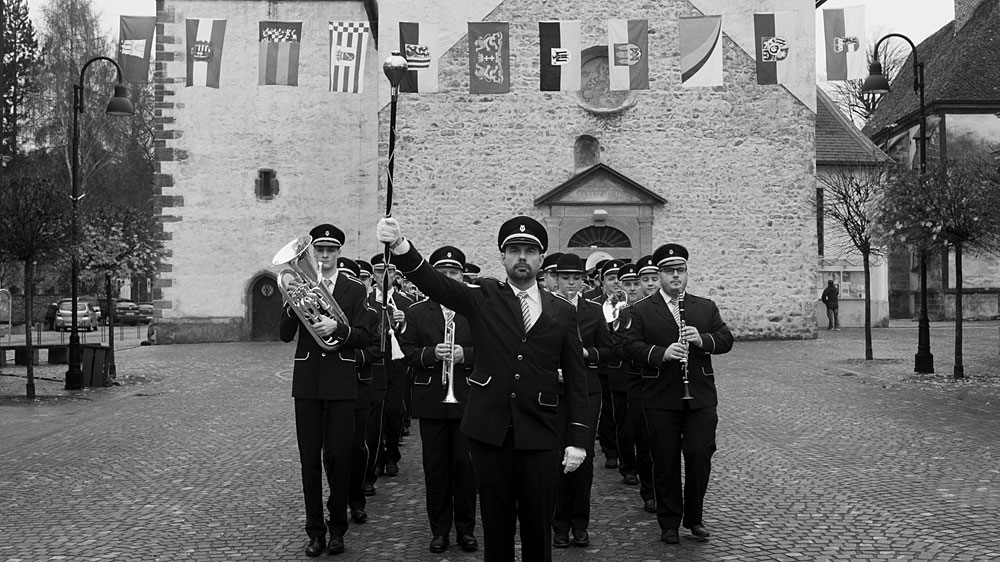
955, 205
851, 197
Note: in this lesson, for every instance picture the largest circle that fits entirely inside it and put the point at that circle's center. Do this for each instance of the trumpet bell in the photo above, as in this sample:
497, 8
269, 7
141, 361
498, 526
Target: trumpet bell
292, 251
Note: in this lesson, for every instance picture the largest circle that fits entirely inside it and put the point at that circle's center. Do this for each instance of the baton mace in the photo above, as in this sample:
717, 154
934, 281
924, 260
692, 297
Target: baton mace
395, 69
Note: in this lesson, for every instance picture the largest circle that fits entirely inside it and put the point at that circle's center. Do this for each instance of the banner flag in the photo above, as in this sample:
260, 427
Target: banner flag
846, 46
279, 53
701, 51
559, 56
135, 45
348, 44
628, 54
489, 57
773, 33
418, 42
204, 51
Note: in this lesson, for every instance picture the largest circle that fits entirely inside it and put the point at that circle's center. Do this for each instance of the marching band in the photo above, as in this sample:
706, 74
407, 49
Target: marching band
513, 383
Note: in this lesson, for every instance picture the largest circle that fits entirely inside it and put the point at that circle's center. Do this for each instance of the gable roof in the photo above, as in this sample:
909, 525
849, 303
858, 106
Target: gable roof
838, 141
959, 68
615, 188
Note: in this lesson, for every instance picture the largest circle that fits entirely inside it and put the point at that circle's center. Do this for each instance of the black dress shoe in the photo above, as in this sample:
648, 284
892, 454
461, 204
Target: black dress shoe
649, 506
336, 545
359, 515
391, 469
316, 546
611, 463
700, 531
670, 536
468, 543
439, 544
581, 538
368, 489
631, 479
560, 540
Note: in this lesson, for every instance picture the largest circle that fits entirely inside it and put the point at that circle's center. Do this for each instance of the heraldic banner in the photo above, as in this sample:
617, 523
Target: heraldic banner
279, 53
348, 44
135, 44
701, 51
418, 42
559, 59
489, 57
776, 51
628, 54
845, 42
204, 51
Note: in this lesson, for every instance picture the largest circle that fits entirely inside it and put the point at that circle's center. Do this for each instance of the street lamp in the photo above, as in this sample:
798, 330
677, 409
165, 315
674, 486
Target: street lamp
119, 106
876, 83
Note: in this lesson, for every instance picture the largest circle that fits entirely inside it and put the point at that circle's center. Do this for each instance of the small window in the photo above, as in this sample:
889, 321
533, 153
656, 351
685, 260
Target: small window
600, 237
266, 186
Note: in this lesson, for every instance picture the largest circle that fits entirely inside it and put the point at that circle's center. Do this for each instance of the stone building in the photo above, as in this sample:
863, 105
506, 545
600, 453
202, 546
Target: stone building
962, 93
727, 171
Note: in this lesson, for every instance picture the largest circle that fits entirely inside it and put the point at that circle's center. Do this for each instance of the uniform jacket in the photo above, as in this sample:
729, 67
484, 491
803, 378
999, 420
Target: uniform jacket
596, 339
515, 381
424, 330
372, 357
394, 370
329, 375
650, 328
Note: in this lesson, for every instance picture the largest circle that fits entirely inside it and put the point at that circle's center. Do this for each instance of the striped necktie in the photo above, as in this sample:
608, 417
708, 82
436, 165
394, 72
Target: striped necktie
676, 310
525, 309
449, 317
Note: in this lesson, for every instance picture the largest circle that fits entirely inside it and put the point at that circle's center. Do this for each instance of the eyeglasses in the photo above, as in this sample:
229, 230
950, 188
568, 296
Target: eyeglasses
674, 270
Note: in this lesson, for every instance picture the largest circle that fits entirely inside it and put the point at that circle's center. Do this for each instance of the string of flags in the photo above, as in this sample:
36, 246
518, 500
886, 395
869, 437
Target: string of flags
489, 44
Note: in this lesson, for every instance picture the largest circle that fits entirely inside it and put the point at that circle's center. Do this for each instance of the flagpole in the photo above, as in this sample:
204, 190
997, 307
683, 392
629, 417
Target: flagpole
395, 68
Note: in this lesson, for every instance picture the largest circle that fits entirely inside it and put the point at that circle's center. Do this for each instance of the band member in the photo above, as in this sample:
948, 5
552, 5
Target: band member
519, 415
377, 386
649, 276
607, 431
549, 270
394, 411
617, 371
673, 335
649, 283
573, 493
324, 386
439, 366
594, 280
471, 272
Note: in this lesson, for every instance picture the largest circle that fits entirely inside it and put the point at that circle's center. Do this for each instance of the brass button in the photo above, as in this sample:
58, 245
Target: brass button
322, 354
517, 377
513, 395
524, 340
519, 357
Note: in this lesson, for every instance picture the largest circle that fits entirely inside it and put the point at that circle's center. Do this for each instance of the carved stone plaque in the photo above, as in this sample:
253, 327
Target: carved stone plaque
596, 95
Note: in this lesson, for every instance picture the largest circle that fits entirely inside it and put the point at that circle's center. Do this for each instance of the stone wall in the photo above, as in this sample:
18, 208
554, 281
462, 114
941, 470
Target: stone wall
211, 144
735, 163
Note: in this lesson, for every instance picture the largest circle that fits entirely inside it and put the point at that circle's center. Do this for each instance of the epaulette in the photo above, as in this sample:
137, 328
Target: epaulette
478, 281
353, 279
592, 301
423, 300
563, 297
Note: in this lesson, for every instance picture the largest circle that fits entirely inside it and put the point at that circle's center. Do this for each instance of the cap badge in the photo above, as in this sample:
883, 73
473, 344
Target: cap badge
449, 254
670, 251
326, 233
522, 228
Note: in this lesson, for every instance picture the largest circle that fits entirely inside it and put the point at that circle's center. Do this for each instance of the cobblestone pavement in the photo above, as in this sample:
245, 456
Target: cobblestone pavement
821, 457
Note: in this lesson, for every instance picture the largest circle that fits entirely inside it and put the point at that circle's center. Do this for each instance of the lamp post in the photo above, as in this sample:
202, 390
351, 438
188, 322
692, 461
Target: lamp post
119, 106
395, 69
876, 83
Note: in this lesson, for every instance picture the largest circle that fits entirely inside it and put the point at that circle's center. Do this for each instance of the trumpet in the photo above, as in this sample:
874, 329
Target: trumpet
448, 365
305, 294
684, 361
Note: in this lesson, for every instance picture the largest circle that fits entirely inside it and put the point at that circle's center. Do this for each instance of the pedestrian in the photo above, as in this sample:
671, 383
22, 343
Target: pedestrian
672, 335
831, 298
441, 364
573, 493
527, 404
324, 386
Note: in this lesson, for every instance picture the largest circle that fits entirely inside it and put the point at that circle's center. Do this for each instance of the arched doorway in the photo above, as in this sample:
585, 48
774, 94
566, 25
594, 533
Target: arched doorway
265, 309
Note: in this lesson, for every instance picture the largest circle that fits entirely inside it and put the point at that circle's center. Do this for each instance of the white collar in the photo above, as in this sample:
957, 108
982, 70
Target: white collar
533, 291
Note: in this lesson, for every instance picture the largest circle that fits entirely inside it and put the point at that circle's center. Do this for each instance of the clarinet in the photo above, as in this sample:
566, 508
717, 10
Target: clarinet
684, 361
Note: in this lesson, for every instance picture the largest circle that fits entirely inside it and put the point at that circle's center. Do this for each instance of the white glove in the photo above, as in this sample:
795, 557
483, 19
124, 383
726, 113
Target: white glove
388, 230
573, 458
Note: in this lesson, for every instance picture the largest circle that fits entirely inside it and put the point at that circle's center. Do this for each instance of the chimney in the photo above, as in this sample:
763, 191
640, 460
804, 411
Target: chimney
964, 9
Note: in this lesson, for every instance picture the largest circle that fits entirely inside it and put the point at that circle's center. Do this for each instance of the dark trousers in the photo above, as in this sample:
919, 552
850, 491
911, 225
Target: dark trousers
374, 431
833, 315
516, 487
449, 479
573, 491
672, 433
392, 420
623, 433
643, 456
606, 432
359, 459
324, 429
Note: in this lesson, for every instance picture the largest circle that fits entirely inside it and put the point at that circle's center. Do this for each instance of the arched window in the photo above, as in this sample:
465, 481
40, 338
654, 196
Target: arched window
600, 237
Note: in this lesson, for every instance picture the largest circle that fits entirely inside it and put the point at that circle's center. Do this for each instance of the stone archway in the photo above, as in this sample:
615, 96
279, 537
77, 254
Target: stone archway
265, 309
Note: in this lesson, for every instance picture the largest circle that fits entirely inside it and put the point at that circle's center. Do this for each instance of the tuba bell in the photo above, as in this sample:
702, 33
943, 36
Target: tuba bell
305, 294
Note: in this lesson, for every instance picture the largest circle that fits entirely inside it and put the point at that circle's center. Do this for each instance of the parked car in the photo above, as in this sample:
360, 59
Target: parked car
86, 316
127, 312
95, 304
146, 312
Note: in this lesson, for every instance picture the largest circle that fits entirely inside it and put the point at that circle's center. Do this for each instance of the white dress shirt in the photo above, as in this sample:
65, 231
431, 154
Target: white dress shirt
534, 300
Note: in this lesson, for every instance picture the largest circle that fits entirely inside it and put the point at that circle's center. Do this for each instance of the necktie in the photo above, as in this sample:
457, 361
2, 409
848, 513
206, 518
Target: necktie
449, 317
525, 309
676, 310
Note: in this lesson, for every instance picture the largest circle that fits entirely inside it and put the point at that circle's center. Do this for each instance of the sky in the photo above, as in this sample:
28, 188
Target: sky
914, 18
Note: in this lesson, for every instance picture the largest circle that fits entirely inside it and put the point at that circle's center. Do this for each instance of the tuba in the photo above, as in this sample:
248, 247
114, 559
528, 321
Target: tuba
301, 287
